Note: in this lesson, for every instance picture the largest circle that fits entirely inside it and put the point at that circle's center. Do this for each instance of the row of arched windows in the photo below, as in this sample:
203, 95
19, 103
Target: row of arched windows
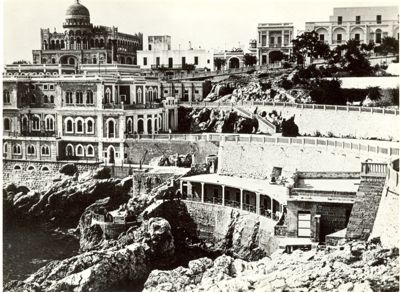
79, 125
79, 150
30, 149
150, 94
30, 168
36, 122
79, 97
47, 99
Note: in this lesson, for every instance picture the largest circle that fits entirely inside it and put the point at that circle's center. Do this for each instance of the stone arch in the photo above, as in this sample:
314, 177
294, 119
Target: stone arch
36, 122
17, 167
31, 149
45, 150
79, 125
31, 168
45, 168
339, 31
129, 126
357, 31
7, 124
69, 125
69, 59
111, 154
233, 62
322, 31
49, 123
89, 122
17, 149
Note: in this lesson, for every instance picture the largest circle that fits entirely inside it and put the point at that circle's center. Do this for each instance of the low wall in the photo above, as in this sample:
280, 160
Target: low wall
364, 82
257, 160
37, 179
386, 225
156, 148
216, 223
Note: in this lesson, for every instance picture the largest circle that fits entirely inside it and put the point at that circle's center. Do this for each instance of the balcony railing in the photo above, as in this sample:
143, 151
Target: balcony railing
143, 106
373, 169
167, 66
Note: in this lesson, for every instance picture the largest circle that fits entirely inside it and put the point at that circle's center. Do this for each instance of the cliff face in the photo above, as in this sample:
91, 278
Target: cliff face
130, 258
66, 199
349, 268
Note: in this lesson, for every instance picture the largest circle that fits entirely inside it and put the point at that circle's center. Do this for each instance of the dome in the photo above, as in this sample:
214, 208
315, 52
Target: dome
77, 10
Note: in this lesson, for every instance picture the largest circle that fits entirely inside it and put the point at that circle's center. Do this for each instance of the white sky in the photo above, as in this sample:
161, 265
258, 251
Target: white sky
211, 24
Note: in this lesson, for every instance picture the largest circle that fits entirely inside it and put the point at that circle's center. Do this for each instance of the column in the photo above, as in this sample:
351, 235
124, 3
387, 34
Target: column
122, 126
175, 119
153, 125
181, 186
258, 203
145, 124
241, 199
223, 195
100, 151
283, 37
317, 227
267, 42
167, 126
23, 149
202, 192
114, 94
272, 208
121, 152
135, 120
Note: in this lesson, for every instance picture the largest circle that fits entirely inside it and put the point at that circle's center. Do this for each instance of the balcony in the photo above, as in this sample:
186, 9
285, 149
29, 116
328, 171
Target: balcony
113, 106
143, 106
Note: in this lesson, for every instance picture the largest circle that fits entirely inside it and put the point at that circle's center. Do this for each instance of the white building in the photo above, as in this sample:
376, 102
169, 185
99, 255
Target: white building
274, 42
366, 24
159, 54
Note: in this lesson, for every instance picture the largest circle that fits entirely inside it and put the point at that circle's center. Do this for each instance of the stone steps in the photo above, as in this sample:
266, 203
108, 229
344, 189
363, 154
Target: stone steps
365, 207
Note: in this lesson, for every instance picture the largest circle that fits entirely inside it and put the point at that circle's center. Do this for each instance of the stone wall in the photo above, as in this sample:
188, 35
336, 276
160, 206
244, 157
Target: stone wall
340, 123
257, 160
334, 217
215, 223
37, 179
200, 149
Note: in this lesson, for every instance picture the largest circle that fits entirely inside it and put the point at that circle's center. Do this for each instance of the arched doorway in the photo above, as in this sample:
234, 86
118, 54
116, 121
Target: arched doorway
149, 128
275, 56
233, 63
111, 154
140, 126
70, 60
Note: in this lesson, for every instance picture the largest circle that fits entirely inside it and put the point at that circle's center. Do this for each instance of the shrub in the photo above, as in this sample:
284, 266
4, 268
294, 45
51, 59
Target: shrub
68, 169
317, 133
286, 84
286, 65
102, 173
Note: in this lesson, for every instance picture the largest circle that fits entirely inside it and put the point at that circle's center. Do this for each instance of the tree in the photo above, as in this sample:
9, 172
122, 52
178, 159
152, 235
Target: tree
328, 92
395, 95
188, 67
389, 45
250, 60
374, 92
219, 62
308, 44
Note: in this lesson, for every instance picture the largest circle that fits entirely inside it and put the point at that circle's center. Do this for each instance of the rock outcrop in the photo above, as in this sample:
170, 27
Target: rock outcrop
348, 268
130, 258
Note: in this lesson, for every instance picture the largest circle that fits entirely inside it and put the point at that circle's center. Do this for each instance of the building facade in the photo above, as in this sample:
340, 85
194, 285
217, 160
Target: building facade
365, 24
81, 42
160, 55
274, 42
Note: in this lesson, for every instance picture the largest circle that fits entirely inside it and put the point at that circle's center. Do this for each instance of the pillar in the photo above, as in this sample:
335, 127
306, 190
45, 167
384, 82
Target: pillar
223, 195
272, 208
167, 125
317, 227
114, 94
153, 125
121, 152
175, 119
202, 192
145, 125
122, 125
181, 186
258, 203
241, 199
100, 151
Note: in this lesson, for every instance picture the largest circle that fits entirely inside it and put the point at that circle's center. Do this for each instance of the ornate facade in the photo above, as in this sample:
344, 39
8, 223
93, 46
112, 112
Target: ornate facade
81, 42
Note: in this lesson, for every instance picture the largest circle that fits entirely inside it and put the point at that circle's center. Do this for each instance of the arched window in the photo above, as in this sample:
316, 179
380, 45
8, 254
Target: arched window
79, 97
139, 96
69, 150
31, 150
53, 60
50, 123
45, 150
5, 148
155, 94
79, 125
17, 167
24, 124
68, 97
62, 44
90, 150
378, 36
96, 43
89, 97
91, 43
17, 149
36, 123
7, 124
101, 43
31, 168
89, 126
94, 60
51, 98
108, 96
6, 96
69, 125
45, 168
45, 99
79, 150
129, 126
111, 128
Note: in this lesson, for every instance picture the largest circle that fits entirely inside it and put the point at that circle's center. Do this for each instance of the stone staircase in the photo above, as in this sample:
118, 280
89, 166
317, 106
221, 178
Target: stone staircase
365, 207
265, 126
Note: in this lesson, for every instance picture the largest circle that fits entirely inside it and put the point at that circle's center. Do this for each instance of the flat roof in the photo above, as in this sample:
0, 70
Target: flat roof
275, 191
336, 185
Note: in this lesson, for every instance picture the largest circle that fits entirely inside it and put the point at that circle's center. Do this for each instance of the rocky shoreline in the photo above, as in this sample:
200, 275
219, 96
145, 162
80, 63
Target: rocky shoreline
159, 250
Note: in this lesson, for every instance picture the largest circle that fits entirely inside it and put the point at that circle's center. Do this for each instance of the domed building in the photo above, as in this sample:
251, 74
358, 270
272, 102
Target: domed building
81, 42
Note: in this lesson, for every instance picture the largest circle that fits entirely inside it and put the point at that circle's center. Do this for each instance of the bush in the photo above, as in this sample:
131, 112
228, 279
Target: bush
68, 169
286, 84
289, 128
286, 65
102, 173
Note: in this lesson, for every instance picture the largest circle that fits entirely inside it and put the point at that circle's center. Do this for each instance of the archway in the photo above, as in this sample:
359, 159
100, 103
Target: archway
275, 56
149, 128
111, 129
140, 126
71, 60
111, 154
233, 63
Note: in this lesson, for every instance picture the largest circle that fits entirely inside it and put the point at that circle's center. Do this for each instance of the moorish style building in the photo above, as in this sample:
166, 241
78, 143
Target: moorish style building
81, 42
366, 24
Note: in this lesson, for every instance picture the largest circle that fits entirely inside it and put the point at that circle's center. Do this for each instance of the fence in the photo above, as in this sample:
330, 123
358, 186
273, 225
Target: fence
356, 145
